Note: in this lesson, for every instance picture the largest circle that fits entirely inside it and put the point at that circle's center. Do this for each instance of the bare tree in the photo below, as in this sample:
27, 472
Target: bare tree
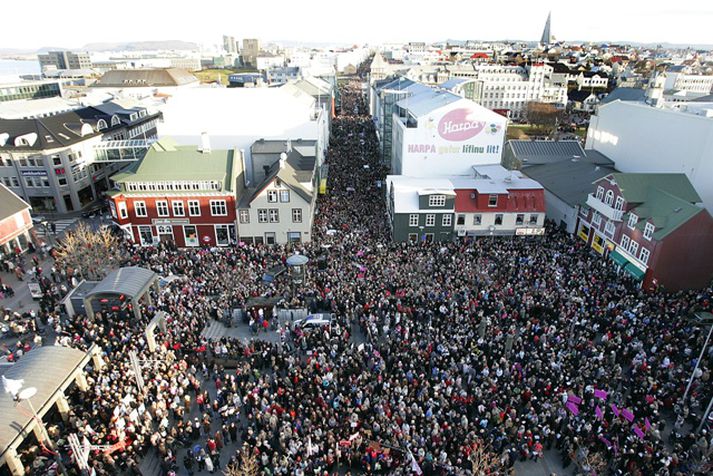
91, 254
486, 462
247, 466
543, 115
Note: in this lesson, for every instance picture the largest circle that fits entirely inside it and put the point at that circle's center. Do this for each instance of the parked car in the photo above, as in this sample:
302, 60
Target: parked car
314, 321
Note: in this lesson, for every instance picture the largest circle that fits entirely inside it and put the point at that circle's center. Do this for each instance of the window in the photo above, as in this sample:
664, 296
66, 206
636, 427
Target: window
609, 199
218, 208
430, 219
413, 237
222, 236
29, 181
272, 196
477, 219
145, 235
178, 210
533, 219
644, 256
122, 210
437, 201
244, 216
493, 201
296, 215
413, 219
619, 205
633, 247
194, 208
62, 181
596, 218
262, 215
625, 242
447, 220
498, 218
648, 231
274, 214
600, 192
632, 220
609, 228
519, 219
285, 196
162, 208
140, 209
190, 235
460, 220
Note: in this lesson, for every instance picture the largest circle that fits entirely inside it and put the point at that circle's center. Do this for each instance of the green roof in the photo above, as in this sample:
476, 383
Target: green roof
666, 211
635, 187
165, 162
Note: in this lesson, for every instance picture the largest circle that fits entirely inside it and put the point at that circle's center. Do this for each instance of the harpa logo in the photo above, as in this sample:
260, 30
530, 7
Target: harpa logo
458, 126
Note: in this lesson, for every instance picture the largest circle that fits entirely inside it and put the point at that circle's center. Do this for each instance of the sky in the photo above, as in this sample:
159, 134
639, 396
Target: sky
74, 24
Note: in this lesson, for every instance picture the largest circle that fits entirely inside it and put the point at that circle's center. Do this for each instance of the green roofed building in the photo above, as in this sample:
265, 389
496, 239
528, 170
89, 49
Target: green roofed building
652, 227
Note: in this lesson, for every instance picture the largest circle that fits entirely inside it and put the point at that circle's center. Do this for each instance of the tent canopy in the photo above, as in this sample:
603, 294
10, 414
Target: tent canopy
131, 282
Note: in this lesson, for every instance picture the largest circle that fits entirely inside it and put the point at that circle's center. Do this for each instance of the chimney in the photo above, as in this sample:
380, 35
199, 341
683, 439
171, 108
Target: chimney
283, 159
205, 143
289, 145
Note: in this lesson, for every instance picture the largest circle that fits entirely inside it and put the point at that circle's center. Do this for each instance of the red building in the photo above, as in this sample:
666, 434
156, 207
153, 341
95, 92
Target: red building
180, 194
498, 201
651, 227
15, 222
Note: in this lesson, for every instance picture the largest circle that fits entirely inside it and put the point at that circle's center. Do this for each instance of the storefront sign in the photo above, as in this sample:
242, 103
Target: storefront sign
33, 173
170, 221
206, 239
530, 231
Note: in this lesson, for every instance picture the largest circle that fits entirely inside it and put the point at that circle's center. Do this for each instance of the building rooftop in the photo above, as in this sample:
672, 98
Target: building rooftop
569, 180
406, 191
165, 161
636, 187
666, 211
625, 94
10, 203
124, 78
29, 108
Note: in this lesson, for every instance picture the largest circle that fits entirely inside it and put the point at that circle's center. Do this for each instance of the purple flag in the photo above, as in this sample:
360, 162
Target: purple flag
628, 415
574, 399
600, 394
647, 424
572, 407
615, 409
605, 441
599, 413
360, 253
638, 431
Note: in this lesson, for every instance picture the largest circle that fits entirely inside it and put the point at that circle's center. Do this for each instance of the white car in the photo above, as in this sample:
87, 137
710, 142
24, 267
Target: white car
313, 321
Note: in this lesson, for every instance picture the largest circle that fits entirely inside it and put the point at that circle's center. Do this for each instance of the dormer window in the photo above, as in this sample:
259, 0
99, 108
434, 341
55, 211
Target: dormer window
437, 201
633, 219
115, 121
648, 231
101, 124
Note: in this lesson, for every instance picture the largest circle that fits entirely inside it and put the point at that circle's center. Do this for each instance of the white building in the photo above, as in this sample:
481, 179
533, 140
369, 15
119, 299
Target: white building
694, 83
235, 118
641, 138
438, 133
510, 88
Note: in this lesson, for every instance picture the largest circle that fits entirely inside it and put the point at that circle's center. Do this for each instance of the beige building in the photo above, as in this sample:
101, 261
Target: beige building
249, 53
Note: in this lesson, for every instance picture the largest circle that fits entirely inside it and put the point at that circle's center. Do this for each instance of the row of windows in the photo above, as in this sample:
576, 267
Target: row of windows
272, 196
633, 247
37, 161
173, 186
447, 219
217, 208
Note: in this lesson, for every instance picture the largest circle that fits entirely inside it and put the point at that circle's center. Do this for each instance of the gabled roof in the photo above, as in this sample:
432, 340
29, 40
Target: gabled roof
10, 204
636, 187
123, 78
665, 211
570, 181
624, 94
544, 151
165, 161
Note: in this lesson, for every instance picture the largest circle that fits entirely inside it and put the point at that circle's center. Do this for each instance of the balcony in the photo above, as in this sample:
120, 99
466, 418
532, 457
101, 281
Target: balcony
606, 210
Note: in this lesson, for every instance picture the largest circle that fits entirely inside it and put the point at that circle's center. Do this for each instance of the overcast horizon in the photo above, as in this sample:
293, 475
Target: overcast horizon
321, 21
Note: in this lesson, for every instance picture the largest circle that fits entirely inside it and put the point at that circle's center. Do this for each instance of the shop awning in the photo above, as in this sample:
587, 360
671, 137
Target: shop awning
634, 271
618, 258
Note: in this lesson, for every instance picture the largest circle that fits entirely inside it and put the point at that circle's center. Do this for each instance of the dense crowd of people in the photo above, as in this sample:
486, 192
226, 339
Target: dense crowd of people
437, 351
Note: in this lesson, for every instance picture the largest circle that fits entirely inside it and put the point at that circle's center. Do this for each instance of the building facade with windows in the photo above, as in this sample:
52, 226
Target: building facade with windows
278, 203
64, 60
15, 223
652, 227
31, 90
420, 209
56, 163
181, 194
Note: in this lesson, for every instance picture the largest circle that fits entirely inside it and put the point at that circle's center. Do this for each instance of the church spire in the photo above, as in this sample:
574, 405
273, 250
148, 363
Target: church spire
546, 33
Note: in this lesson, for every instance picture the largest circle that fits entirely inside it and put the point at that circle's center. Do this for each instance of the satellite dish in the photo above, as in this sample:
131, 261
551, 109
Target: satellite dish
27, 393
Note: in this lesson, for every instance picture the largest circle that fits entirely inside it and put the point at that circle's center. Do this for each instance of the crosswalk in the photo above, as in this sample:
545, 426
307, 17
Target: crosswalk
214, 331
60, 225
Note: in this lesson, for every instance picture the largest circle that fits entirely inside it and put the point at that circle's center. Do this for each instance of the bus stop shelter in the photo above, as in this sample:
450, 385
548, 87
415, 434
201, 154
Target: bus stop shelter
133, 283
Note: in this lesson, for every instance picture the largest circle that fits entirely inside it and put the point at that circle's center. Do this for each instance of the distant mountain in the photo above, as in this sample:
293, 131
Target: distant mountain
142, 45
